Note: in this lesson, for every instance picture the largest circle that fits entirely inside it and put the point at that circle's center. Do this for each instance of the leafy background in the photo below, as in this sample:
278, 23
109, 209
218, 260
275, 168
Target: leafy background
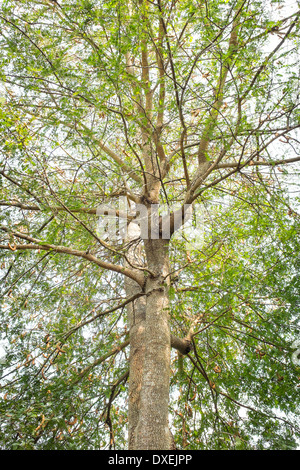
64, 377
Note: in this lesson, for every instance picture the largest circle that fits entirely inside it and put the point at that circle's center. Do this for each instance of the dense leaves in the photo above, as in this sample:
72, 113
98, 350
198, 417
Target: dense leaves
85, 87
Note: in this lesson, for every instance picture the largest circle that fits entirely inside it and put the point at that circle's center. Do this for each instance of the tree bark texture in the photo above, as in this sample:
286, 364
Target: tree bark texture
150, 346
136, 315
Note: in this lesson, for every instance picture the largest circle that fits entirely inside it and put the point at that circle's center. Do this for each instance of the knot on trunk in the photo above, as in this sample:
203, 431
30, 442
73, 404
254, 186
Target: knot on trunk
183, 345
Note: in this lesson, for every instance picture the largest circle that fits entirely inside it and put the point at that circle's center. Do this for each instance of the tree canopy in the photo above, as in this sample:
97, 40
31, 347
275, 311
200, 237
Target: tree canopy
186, 102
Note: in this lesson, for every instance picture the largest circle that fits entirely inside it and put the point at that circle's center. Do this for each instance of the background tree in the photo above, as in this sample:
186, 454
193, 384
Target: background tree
166, 103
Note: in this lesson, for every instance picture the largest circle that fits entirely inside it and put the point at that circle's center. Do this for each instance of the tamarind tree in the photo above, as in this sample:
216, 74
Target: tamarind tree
170, 332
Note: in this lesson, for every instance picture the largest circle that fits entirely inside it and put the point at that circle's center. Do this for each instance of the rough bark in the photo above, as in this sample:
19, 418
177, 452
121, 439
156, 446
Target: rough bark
152, 431
136, 315
150, 345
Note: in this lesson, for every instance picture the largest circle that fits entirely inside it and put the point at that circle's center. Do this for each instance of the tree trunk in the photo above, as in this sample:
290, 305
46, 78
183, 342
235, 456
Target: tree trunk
136, 315
152, 431
150, 346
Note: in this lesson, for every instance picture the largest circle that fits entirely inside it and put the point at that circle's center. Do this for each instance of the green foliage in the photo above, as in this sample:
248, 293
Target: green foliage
71, 79
245, 374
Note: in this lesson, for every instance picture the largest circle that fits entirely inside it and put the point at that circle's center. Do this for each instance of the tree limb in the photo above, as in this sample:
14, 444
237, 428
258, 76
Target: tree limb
37, 244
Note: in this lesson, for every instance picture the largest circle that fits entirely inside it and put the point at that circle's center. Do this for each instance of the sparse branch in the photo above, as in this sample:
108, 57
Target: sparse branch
161, 74
37, 244
19, 185
274, 29
101, 359
121, 163
177, 96
237, 166
145, 62
269, 57
82, 210
111, 153
101, 314
35, 45
256, 411
219, 94
258, 163
114, 393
